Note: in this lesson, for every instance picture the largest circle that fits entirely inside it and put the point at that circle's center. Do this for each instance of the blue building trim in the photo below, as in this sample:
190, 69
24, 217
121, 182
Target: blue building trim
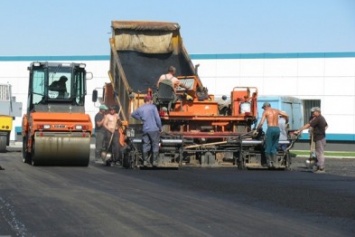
193, 56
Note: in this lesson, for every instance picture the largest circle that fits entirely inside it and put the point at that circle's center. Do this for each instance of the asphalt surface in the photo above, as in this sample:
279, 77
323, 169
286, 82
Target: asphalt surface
112, 201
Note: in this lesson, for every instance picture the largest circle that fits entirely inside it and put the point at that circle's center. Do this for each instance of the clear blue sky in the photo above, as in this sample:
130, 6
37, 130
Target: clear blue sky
82, 27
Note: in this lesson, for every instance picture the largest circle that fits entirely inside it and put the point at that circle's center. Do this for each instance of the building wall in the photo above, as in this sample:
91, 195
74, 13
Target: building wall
328, 77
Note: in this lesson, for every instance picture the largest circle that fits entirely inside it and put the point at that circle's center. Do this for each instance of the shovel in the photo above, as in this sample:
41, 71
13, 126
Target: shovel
105, 155
312, 160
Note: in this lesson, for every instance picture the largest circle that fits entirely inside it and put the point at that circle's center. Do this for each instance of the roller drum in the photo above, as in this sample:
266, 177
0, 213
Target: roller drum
61, 148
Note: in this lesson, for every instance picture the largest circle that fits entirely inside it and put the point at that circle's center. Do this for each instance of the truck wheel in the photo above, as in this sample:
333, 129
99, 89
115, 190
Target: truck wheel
3, 142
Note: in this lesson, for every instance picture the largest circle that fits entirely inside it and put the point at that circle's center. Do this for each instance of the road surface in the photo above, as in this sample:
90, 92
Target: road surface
112, 201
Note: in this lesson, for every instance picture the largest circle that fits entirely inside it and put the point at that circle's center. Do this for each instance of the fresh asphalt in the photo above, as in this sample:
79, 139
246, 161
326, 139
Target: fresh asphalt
191, 201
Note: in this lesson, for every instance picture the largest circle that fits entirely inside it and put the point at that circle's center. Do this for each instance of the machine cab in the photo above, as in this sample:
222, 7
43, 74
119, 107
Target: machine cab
56, 84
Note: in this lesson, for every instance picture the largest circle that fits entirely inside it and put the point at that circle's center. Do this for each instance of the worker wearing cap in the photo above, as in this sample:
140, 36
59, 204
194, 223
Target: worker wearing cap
148, 114
319, 126
272, 133
99, 131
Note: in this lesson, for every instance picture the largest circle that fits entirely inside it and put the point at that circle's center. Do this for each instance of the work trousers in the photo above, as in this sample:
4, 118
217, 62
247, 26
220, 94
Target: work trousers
151, 141
272, 140
320, 145
99, 143
113, 145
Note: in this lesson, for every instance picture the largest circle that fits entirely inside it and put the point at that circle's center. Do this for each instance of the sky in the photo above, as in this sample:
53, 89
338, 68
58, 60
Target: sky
83, 27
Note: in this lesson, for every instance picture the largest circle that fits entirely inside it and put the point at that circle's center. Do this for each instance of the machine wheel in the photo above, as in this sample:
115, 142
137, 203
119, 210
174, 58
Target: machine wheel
208, 158
287, 160
127, 161
86, 163
3, 142
26, 156
32, 161
241, 161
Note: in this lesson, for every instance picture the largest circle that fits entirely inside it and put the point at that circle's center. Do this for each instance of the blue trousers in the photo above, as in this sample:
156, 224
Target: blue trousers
272, 140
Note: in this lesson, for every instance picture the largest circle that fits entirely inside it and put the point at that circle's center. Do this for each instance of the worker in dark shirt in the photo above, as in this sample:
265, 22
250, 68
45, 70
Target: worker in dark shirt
99, 131
148, 114
319, 125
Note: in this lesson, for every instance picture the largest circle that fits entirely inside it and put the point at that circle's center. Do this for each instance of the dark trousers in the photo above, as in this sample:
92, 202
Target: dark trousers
99, 143
114, 146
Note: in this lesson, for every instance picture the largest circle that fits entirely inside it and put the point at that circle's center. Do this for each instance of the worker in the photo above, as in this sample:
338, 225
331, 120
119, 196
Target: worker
319, 126
313, 157
171, 76
148, 114
272, 133
60, 86
99, 131
111, 123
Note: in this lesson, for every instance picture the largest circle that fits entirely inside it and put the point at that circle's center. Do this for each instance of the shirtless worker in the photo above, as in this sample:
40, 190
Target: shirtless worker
111, 121
272, 133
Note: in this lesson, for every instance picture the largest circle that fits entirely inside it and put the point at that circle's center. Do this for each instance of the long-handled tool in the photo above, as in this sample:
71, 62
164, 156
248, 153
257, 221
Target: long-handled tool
312, 160
106, 156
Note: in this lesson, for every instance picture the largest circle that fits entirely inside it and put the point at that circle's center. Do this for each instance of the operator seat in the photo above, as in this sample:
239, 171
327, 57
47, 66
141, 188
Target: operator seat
165, 95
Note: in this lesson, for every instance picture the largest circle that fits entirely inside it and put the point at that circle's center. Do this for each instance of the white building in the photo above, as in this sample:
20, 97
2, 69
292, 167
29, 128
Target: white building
324, 79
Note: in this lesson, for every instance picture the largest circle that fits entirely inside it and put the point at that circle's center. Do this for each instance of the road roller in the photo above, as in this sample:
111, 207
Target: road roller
55, 129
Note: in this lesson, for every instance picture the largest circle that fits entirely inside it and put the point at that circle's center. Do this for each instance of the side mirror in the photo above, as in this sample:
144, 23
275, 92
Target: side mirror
89, 76
94, 95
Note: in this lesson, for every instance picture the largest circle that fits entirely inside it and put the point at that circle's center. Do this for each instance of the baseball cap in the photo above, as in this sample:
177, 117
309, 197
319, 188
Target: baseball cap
266, 104
103, 107
315, 109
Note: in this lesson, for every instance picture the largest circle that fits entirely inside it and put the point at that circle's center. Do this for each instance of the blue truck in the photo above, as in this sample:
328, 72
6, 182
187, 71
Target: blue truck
293, 106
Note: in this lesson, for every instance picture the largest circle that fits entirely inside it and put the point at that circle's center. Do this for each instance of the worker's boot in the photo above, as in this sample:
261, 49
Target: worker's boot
155, 159
146, 161
269, 161
273, 160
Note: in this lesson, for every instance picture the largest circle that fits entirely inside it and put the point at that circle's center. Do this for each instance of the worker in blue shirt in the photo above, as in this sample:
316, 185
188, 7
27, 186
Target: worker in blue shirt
148, 114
